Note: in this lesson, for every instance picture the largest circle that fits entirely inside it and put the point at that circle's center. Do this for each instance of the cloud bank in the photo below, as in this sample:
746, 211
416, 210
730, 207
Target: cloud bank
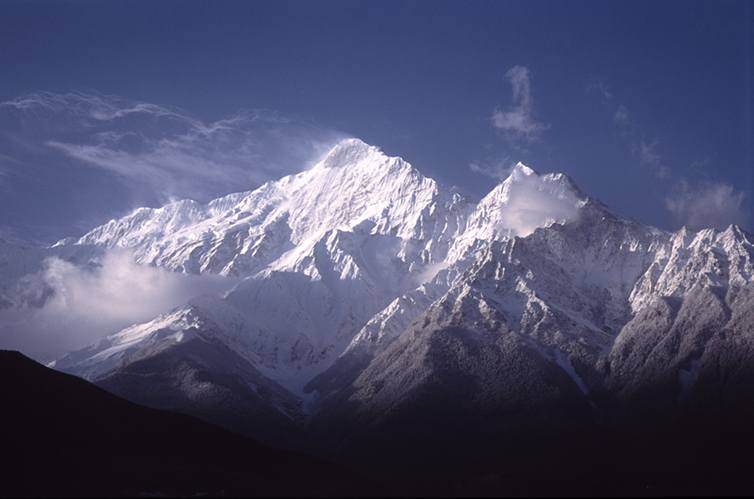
518, 119
64, 306
711, 205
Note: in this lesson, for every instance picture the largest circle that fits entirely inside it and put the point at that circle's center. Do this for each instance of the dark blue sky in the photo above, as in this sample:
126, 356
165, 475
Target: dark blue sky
112, 104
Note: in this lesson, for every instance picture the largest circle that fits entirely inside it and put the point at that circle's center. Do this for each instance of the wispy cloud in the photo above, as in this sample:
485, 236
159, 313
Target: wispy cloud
621, 116
518, 119
648, 155
710, 205
517, 124
645, 151
499, 170
601, 88
165, 151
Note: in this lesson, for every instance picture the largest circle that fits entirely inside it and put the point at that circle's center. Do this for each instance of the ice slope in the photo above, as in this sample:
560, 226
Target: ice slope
391, 322
709, 257
341, 257
344, 255
563, 289
92, 361
690, 332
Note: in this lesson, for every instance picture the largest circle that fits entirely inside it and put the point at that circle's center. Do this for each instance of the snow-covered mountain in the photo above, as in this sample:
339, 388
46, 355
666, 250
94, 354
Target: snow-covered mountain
373, 309
321, 253
355, 188
341, 257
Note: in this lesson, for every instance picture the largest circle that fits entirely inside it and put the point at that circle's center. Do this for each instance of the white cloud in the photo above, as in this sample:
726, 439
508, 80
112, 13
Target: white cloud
534, 201
430, 272
518, 119
164, 152
711, 205
67, 306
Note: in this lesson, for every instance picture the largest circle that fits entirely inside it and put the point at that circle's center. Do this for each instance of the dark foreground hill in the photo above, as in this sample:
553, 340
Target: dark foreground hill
63, 436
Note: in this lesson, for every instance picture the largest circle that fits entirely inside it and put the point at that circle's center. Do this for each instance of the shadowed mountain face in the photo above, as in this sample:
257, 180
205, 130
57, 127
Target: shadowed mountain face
63, 436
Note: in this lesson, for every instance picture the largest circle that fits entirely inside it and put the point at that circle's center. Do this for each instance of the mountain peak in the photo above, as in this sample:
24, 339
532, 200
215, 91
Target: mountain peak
558, 184
349, 152
521, 170
527, 200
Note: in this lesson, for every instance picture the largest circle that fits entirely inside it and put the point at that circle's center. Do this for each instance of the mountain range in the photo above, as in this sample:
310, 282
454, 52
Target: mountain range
433, 343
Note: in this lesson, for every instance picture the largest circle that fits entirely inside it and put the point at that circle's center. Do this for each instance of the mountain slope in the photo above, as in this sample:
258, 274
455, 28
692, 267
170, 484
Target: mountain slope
537, 348
518, 334
697, 304
64, 437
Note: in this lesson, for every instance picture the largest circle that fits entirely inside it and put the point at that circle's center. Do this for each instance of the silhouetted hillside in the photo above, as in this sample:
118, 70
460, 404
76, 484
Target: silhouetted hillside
63, 436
